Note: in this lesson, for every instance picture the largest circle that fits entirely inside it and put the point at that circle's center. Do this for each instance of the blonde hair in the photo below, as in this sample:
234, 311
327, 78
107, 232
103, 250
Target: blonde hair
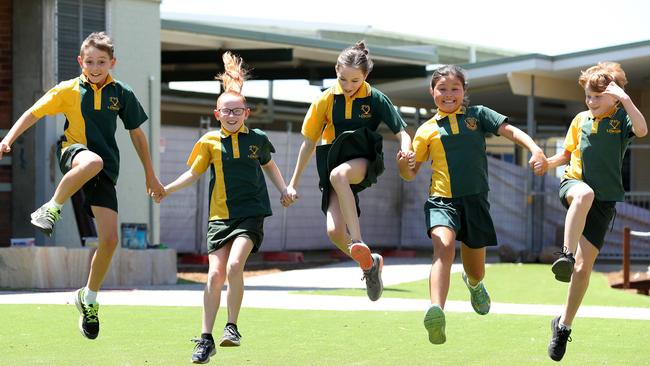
356, 56
99, 40
596, 78
233, 76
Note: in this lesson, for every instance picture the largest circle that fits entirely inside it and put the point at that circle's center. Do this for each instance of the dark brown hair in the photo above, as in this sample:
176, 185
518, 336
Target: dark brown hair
453, 71
356, 56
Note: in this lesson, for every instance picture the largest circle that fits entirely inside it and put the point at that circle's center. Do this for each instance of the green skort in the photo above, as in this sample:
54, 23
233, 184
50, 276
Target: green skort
221, 232
469, 216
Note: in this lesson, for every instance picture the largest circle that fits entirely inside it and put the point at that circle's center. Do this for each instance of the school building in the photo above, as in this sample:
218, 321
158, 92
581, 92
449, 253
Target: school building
539, 93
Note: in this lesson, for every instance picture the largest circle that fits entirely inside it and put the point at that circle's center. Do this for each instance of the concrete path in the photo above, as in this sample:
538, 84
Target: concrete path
272, 291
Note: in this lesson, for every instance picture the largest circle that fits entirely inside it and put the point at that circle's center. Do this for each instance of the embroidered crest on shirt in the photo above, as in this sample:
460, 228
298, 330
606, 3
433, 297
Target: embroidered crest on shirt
365, 111
615, 126
471, 123
253, 150
115, 104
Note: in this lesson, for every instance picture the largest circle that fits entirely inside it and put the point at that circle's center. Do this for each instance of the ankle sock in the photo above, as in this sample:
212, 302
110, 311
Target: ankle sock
53, 203
90, 297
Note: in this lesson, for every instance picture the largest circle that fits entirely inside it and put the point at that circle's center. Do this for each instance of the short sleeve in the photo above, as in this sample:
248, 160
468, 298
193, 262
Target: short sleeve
316, 118
571, 139
389, 114
51, 103
421, 143
267, 149
629, 129
131, 112
490, 120
200, 157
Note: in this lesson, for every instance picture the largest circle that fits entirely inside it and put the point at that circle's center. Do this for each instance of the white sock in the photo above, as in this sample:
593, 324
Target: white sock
475, 286
562, 325
53, 203
90, 297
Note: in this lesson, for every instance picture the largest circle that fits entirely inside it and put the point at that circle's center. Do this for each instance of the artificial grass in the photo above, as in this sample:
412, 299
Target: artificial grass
514, 283
145, 335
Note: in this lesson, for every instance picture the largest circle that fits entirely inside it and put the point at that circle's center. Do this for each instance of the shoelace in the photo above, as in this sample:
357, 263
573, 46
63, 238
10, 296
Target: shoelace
91, 313
565, 253
480, 293
202, 345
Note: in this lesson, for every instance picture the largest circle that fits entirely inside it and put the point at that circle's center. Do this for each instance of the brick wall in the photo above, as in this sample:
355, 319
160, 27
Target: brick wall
5, 113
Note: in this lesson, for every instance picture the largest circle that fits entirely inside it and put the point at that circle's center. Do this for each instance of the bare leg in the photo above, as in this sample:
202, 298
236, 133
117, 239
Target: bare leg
473, 263
85, 165
341, 177
106, 220
336, 229
444, 251
241, 248
580, 198
212, 292
585, 258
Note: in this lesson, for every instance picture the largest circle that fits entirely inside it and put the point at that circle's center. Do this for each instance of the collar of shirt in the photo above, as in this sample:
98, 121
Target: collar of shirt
606, 115
364, 90
440, 114
225, 133
109, 80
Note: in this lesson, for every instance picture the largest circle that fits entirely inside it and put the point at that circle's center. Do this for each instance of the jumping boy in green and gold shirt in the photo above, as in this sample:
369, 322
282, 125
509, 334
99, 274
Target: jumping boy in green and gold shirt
592, 183
239, 202
458, 208
89, 156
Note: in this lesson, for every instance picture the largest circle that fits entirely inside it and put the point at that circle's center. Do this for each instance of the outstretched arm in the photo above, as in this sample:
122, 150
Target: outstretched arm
273, 172
306, 151
184, 180
538, 160
559, 159
25, 121
139, 140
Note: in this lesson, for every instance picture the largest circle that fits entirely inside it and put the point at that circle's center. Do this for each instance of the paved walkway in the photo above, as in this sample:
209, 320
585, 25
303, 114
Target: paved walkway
280, 291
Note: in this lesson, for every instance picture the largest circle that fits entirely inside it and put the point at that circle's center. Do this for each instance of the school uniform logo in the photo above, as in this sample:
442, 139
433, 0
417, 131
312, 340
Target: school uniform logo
471, 123
365, 111
253, 151
114, 104
614, 126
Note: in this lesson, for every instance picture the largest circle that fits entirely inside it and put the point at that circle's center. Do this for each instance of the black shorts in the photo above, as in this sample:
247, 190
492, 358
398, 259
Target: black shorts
99, 190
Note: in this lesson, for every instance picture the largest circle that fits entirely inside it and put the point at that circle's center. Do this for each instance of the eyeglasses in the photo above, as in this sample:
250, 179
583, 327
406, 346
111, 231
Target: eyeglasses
228, 111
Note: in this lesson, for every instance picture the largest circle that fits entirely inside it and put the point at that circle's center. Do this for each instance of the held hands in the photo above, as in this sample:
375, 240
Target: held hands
289, 196
155, 189
408, 156
538, 163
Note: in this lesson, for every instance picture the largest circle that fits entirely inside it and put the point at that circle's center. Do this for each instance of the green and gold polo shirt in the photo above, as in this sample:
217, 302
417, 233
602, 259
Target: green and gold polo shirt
333, 113
455, 144
91, 115
597, 147
237, 185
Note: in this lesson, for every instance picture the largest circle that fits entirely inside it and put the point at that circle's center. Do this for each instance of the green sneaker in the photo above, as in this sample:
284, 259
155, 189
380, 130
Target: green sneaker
88, 316
479, 297
434, 322
44, 219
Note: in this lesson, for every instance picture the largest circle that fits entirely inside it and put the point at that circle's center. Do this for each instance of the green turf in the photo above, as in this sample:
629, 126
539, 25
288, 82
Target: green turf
137, 335
514, 283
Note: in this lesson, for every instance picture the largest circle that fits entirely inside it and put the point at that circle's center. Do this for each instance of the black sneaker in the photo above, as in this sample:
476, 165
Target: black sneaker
557, 347
563, 266
203, 350
44, 218
88, 316
231, 336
